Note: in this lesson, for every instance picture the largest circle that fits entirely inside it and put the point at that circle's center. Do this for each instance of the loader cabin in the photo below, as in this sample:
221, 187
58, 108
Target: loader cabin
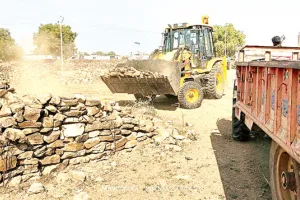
198, 38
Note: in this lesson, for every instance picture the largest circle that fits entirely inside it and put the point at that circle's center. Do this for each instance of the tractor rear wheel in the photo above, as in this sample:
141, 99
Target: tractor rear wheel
141, 97
284, 174
216, 83
190, 95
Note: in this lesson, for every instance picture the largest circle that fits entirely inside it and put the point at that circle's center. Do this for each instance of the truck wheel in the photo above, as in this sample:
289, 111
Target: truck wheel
140, 97
240, 131
190, 95
283, 169
216, 83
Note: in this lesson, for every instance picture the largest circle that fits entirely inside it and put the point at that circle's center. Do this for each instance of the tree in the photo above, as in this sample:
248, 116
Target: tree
111, 53
47, 40
234, 38
9, 50
101, 53
82, 54
98, 53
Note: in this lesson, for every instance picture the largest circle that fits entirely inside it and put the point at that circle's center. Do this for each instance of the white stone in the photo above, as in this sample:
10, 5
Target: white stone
178, 137
48, 169
99, 179
94, 134
161, 135
81, 196
36, 188
113, 164
130, 144
15, 181
78, 175
73, 130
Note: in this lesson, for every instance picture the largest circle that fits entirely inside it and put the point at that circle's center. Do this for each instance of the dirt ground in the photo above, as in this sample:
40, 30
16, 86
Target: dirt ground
211, 167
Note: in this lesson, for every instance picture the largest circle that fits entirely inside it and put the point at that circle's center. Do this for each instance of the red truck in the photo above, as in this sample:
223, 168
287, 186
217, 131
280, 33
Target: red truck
267, 98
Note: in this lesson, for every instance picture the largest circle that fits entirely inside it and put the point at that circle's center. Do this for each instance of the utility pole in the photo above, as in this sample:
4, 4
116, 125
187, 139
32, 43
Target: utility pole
61, 43
138, 44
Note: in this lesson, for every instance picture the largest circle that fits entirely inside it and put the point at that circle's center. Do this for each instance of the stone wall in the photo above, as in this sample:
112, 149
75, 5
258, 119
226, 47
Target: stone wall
50, 132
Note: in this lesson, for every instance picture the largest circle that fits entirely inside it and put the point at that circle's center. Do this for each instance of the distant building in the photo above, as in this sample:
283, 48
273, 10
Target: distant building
96, 57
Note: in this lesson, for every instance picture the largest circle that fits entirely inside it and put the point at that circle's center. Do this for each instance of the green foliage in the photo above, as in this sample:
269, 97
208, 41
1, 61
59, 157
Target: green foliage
101, 53
9, 50
47, 40
98, 53
111, 53
82, 54
234, 38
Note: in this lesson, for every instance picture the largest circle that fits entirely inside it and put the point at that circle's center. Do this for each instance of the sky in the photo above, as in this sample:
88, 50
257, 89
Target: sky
114, 25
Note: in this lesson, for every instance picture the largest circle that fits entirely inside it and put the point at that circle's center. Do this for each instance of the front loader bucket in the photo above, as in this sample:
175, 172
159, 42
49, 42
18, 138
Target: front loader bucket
163, 77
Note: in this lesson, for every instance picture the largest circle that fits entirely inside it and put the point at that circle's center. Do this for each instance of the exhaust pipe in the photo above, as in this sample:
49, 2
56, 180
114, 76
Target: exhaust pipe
171, 37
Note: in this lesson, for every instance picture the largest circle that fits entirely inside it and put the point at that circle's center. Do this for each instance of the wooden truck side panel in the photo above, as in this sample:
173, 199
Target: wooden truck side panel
268, 94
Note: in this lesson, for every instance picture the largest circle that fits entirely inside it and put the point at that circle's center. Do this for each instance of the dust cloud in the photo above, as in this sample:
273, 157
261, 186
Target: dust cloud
36, 78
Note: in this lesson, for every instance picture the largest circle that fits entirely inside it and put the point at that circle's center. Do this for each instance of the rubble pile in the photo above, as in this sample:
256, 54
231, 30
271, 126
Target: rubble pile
6, 69
127, 71
47, 133
75, 71
104, 64
89, 71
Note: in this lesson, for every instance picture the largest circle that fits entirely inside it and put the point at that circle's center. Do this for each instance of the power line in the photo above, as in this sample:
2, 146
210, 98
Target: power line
40, 20
98, 26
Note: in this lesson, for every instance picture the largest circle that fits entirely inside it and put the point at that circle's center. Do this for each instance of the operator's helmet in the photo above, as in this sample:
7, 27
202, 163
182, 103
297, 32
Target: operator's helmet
276, 40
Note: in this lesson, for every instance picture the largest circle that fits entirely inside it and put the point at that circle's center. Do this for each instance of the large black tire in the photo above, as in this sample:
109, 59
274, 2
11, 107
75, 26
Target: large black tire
279, 162
240, 131
190, 95
211, 91
140, 97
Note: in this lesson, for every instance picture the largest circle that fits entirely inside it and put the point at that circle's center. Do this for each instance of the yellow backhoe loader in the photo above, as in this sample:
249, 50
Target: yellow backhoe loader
189, 65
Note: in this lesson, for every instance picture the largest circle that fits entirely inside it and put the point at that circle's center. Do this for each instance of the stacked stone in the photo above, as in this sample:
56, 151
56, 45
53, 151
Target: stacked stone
50, 131
4, 88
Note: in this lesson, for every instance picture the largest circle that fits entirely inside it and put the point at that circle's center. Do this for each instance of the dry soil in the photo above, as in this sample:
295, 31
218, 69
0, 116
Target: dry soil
211, 167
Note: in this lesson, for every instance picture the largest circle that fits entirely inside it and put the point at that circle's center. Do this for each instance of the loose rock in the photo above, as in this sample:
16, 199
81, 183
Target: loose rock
36, 188
78, 175
81, 196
